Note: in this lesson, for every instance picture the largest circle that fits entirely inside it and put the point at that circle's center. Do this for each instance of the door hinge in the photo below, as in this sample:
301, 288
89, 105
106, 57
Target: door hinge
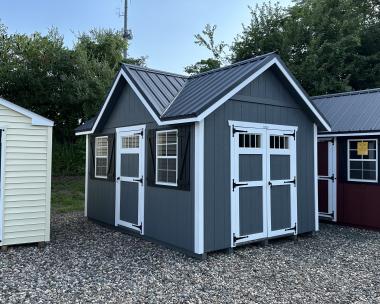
270, 184
235, 185
292, 134
140, 180
291, 182
138, 226
237, 238
293, 228
234, 130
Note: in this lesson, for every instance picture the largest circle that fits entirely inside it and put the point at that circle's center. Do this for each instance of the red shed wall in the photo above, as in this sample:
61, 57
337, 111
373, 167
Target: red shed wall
358, 203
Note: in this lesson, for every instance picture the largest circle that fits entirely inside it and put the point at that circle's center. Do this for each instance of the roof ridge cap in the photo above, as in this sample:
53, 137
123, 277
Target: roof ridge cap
348, 93
138, 67
253, 59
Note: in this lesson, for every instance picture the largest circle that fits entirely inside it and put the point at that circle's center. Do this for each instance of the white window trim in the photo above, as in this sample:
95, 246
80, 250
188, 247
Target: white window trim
167, 157
106, 157
349, 161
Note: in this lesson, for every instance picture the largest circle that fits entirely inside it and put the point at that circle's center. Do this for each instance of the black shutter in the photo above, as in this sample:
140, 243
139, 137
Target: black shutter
111, 157
184, 143
151, 161
91, 165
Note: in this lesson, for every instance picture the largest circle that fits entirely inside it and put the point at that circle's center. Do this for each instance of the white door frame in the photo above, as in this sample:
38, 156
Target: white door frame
264, 150
331, 178
2, 179
292, 152
141, 152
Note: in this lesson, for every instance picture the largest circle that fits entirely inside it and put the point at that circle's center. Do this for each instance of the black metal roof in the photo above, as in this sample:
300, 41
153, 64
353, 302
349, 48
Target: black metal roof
357, 111
87, 126
172, 96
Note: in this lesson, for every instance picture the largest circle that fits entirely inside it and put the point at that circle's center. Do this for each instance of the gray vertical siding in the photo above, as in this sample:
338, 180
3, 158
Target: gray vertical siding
265, 100
169, 214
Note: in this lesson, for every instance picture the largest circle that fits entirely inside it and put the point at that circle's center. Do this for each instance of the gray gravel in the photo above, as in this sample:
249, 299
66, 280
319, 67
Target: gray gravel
87, 263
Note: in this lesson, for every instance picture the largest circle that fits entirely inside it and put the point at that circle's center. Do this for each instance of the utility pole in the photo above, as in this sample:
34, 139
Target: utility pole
127, 33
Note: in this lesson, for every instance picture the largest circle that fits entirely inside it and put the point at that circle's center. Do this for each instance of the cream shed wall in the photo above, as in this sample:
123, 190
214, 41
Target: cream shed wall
26, 171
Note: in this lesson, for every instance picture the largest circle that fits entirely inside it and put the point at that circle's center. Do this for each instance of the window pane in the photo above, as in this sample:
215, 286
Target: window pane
369, 174
371, 155
101, 167
371, 144
162, 164
369, 165
101, 146
161, 150
253, 141
353, 145
241, 140
172, 150
171, 164
354, 155
272, 142
282, 143
162, 176
358, 165
171, 137
161, 138
286, 142
171, 177
356, 174
258, 141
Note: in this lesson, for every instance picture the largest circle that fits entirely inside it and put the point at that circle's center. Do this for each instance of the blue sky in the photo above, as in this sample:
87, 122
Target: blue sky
163, 29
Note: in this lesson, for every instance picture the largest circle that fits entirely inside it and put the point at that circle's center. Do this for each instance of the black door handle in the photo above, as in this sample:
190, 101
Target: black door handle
140, 180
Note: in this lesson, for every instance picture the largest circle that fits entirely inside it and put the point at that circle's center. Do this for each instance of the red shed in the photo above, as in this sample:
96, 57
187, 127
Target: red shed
348, 158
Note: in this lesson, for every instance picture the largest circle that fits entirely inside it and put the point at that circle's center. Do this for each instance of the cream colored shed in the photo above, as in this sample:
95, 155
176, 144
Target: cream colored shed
25, 175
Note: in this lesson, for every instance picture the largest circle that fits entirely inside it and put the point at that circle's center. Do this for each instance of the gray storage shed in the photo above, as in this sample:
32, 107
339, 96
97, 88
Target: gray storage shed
206, 162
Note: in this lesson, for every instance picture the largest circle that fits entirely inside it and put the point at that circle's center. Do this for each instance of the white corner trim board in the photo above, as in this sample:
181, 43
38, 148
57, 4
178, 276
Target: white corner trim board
2, 173
37, 120
316, 208
216, 105
199, 189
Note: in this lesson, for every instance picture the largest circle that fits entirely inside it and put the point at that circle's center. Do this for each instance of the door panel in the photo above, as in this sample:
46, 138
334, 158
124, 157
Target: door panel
280, 207
130, 165
251, 210
130, 178
129, 202
280, 167
327, 178
250, 167
263, 196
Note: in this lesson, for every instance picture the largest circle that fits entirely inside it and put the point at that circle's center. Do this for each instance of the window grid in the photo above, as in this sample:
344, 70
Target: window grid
362, 167
279, 142
250, 140
101, 157
130, 142
167, 157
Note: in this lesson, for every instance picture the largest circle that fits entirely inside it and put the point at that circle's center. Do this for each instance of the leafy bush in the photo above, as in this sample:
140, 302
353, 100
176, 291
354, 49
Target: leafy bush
69, 158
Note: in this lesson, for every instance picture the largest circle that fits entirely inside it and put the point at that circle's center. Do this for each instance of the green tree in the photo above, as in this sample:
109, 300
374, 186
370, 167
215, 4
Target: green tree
330, 45
207, 40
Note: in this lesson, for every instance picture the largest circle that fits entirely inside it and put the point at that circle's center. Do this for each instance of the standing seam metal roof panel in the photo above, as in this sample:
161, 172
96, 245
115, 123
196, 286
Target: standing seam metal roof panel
357, 111
203, 90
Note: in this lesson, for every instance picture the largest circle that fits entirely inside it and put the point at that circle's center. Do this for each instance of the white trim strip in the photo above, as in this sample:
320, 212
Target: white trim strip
199, 189
86, 177
2, 178
37, 120
216, 105
316, 199
348, 134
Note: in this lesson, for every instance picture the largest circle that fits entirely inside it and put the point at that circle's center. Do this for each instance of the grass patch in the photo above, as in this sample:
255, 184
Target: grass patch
67, 194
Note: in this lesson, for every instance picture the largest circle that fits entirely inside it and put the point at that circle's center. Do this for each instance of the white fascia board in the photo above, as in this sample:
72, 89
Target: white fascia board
348, 134
37, 120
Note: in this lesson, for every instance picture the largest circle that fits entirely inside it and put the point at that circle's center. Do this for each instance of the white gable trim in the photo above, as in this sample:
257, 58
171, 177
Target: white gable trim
37, 120
217, 104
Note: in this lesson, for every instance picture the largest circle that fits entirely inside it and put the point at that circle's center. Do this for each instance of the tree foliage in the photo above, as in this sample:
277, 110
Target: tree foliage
65, 85
330, 45
207, 40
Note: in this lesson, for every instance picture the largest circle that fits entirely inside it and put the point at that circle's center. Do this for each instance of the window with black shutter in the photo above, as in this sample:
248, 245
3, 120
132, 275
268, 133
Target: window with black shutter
169, 158
102, 157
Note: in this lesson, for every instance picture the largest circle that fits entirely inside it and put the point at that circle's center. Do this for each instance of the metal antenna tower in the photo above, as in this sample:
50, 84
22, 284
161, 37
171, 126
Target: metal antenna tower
127, 34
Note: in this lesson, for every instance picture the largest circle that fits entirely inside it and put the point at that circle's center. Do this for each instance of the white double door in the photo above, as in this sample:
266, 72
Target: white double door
264, 181
130, 157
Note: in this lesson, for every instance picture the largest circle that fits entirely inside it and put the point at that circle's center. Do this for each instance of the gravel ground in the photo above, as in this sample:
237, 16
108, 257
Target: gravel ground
87, 263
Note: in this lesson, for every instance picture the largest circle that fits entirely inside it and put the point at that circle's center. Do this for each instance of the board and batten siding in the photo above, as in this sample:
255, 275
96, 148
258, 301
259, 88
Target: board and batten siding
265, 100
27, 179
